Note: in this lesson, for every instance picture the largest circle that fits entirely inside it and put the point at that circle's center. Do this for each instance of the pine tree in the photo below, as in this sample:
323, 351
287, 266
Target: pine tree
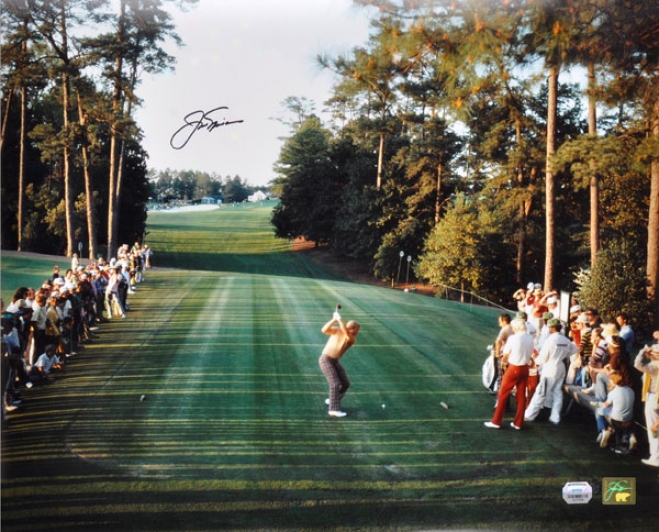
24, 73
141, 26
308, 202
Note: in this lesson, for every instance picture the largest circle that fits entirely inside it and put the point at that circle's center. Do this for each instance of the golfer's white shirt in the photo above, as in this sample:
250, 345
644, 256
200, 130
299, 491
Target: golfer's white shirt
519, 347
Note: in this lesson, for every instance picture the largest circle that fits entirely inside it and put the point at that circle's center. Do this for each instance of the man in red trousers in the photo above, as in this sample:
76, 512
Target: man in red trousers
517, 354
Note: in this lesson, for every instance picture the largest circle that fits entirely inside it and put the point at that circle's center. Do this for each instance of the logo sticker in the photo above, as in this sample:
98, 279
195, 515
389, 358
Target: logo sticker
577, 493
619, 490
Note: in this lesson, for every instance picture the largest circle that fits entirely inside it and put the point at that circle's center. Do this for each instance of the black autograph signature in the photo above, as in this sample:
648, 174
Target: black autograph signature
195, 121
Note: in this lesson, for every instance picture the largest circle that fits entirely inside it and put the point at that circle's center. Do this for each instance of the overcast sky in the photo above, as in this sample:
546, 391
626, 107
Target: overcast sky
246, 56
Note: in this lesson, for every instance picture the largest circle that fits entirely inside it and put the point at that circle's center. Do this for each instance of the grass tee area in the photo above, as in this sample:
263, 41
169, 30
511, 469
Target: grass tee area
223, 339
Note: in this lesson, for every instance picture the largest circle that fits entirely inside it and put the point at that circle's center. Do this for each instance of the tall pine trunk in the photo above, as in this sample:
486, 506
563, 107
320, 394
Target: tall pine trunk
22, 140
89, 191
117, 105
524, 210
594, 181
653, 225
438, 193
5, 118
550, 184
380, 160
68, 185
21, 168
127, 113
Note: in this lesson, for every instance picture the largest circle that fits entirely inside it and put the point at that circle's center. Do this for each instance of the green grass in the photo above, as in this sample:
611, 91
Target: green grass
17, 271
231, 239
234, 433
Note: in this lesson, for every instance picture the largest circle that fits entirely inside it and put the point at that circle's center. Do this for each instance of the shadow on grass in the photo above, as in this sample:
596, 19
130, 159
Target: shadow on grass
218, 510
289, 264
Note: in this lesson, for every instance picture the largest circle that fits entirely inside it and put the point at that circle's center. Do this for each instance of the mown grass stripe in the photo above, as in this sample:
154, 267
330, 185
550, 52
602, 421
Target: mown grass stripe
228, 361
214, 507
73, 486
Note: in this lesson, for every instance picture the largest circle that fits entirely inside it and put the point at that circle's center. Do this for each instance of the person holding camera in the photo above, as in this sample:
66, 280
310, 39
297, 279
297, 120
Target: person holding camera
342, 336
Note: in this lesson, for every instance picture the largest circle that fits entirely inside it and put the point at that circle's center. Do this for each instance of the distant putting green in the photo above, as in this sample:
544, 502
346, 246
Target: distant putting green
222, 340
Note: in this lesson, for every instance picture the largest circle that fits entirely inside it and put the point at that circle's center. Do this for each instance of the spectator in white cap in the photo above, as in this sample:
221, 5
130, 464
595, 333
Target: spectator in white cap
553, 304
575, 310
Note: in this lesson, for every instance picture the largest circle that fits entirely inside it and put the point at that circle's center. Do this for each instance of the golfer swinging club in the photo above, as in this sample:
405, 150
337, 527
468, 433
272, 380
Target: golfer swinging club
341, 338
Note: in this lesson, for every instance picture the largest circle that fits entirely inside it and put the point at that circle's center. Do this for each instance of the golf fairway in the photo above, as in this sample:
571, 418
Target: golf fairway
232, 433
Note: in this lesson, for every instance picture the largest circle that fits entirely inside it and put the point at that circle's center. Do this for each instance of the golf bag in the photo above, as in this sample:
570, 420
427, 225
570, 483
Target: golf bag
491, 378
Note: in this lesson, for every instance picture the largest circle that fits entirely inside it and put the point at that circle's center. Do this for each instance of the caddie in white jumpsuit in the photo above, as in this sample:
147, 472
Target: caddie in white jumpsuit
556, 349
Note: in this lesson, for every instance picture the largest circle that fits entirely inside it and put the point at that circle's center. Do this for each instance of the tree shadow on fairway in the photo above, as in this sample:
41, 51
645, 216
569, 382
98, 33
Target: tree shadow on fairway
289, 264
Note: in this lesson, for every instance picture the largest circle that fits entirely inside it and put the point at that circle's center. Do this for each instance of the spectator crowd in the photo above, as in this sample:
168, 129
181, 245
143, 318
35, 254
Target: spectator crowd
548, 363
537, 358
43, 328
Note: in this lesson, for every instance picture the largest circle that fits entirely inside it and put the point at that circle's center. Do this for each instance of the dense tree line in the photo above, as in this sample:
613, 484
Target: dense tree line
70, 146
193, 185
456, 140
